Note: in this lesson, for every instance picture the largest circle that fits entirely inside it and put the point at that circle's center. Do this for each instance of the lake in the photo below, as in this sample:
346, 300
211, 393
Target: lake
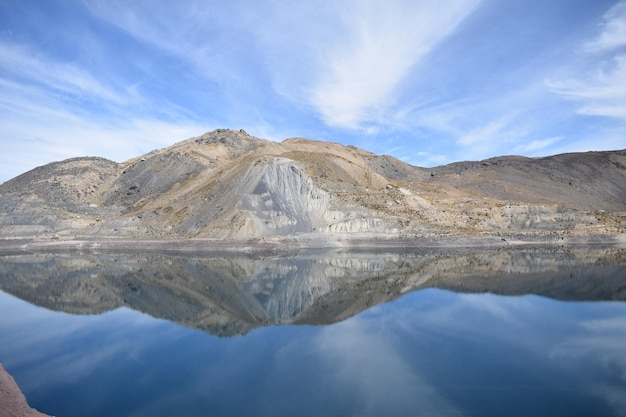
422, 333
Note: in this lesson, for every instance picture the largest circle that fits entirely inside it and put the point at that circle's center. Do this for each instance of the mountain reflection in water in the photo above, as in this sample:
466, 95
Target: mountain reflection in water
232, 295
430, 351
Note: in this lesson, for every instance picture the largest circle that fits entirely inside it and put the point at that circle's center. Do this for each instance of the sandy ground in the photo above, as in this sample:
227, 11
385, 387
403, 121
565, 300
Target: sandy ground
12, 401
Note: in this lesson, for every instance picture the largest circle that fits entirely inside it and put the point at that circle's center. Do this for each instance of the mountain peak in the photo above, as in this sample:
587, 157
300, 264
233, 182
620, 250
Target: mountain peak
227, 184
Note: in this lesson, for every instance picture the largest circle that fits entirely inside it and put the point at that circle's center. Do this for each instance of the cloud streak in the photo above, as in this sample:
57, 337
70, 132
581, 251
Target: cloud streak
197, 37
359, 74
54, 108
613, 35
63, 78
601, 92
428, 82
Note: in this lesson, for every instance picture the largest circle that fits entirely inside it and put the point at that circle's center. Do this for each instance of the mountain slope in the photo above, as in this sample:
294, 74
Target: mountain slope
229, 185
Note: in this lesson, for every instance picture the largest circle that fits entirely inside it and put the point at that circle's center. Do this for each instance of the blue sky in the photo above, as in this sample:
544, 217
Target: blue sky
427, 81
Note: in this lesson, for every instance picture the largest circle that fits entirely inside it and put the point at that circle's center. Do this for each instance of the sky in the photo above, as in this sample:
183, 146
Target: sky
427, 81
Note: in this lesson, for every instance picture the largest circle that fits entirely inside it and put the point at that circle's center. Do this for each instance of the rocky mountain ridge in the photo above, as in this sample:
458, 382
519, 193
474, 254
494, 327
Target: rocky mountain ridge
228, 185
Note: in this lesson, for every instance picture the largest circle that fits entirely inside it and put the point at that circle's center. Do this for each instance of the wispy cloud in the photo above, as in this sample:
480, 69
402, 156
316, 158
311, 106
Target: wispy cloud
37, 134
537, 145
53, 108
488, 133
205, 38
428, 81
380, 44
499, 136
602, 90
39, 127
602, 93
613, 35
31, 68
61, 135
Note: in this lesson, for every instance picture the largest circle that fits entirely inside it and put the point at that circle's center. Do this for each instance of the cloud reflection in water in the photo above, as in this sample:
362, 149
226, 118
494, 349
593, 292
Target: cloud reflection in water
430, 352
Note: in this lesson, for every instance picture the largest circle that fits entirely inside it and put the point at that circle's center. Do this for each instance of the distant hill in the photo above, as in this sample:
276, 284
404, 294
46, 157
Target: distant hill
229, 185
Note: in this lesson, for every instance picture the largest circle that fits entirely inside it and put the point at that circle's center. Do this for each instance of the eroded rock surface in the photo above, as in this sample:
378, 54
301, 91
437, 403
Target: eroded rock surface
229, 185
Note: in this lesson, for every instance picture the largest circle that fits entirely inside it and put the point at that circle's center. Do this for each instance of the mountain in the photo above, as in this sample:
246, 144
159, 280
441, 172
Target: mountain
228, 185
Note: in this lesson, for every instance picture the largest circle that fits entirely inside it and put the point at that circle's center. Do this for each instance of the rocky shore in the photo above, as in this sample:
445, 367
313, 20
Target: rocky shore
12, 400
307, 242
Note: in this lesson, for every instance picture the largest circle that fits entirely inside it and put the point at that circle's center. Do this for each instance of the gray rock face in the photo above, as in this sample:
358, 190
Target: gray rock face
281, 198
230, 185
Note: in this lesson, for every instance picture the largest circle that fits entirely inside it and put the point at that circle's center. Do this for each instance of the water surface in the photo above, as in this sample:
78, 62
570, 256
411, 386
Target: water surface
422, 334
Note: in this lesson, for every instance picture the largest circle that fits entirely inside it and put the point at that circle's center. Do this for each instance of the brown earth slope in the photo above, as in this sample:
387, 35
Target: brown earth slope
229, 185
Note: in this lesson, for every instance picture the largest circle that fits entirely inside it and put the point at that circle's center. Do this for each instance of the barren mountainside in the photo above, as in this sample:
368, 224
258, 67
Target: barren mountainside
229, 185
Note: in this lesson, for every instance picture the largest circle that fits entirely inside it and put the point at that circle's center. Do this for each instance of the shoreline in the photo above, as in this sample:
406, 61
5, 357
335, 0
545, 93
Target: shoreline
12, 399
298, 243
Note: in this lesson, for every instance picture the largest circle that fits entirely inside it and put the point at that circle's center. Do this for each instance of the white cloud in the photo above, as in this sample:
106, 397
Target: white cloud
607, 110
537, 145
488, 133
418, 73
613, 34
59, 77
346, 61
51, 110
498, 136
205, 37
360, 71
603, 140
58, 134
425, 159
602, 91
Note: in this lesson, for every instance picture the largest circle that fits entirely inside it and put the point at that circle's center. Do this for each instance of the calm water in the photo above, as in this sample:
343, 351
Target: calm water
380, 339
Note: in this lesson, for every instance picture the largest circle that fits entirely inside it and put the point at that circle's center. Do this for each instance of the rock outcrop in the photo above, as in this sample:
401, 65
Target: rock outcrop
229, 185
12, 400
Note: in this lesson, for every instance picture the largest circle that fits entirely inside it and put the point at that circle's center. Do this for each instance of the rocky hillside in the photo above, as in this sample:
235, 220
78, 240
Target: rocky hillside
229, 185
